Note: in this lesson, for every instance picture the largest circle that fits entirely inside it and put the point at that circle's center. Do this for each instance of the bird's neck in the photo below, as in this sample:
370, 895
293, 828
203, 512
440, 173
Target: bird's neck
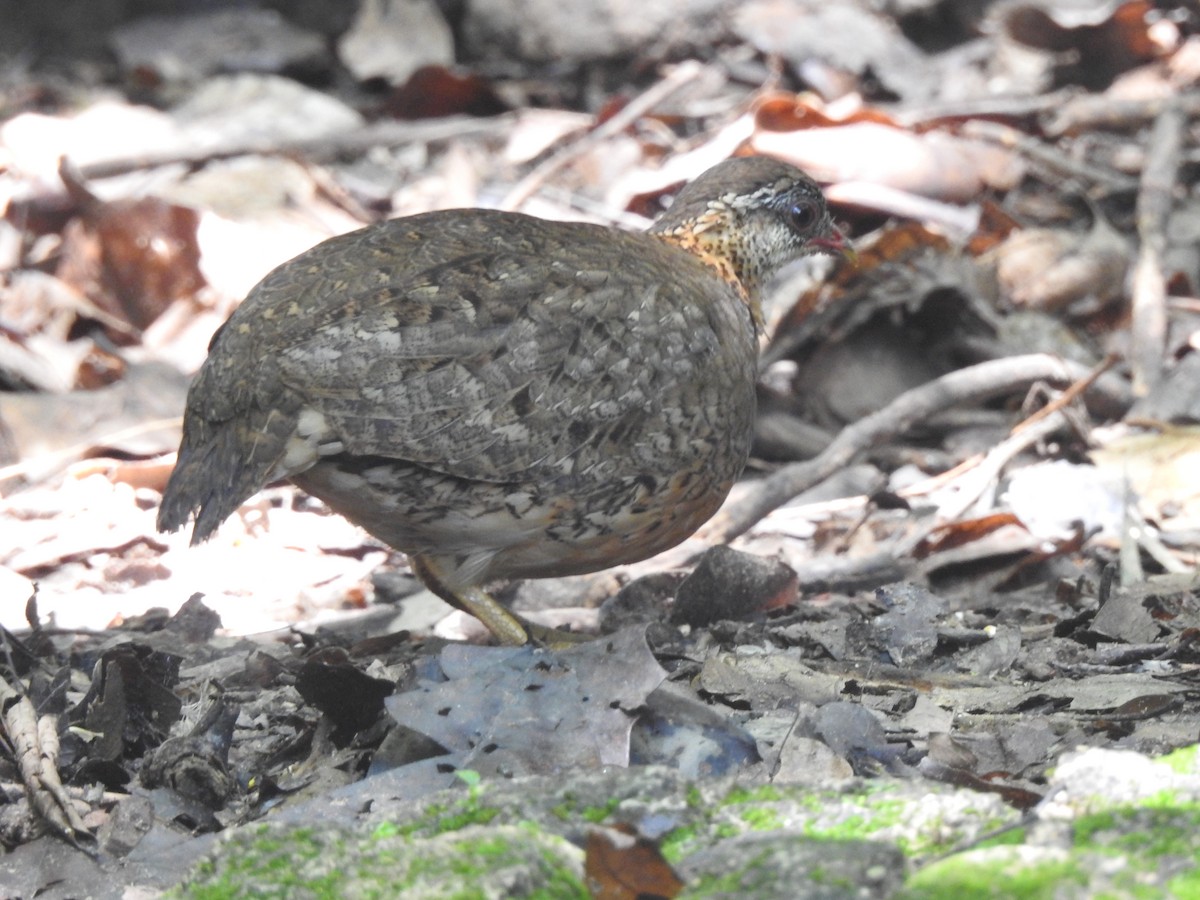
721, 251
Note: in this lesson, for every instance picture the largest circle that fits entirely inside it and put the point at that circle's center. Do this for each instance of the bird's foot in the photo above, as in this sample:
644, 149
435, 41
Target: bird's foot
552, 638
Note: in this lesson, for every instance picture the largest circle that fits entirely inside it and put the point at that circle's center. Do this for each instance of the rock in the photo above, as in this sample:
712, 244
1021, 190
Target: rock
804, 760
494, 862
239, 109
729, 584
786, 865
642, 601
552, 31
391, 39
907, 631
187, 48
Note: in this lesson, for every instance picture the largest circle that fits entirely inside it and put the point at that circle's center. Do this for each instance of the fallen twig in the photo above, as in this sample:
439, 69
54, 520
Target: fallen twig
378, 134
1068, 395
1148, 330
1099, 112
34, 746
680, 76
972, 384
1048, 157
55, 461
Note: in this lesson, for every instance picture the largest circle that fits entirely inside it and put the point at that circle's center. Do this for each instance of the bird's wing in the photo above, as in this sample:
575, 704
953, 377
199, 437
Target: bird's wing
492, 363
483, 344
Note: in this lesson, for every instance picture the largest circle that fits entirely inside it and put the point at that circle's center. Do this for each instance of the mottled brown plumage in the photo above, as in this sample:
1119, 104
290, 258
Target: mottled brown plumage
501, 396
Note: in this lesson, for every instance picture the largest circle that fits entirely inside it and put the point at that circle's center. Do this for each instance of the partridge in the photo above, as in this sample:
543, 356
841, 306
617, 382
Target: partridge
500, 396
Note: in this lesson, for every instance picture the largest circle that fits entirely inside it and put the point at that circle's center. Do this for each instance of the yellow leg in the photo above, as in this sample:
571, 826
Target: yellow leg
474, 600
508, 627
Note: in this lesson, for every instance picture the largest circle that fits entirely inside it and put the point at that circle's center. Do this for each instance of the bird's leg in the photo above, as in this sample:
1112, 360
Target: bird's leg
474, 600
508, 627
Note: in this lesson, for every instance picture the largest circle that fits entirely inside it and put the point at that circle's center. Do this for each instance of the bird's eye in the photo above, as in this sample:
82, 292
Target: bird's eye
803, 215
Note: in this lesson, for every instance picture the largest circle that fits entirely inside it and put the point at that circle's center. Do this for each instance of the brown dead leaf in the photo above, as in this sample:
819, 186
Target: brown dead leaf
1052, 269
150, 473
958, 534
1094, 44
994, 226
934, 164
433, 91
622, 865
1162, 470
134, 257
785, 111
894, 246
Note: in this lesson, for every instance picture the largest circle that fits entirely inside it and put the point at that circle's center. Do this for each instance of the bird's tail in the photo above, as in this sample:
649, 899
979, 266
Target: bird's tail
220, 468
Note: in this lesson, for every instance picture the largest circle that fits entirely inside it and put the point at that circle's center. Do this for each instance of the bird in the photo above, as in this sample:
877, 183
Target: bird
501, 396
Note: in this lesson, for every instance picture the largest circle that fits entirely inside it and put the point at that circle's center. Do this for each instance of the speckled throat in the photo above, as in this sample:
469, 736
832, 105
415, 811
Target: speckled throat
710, 219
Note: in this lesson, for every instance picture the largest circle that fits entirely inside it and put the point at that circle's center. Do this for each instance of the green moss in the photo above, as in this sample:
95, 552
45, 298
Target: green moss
852, 827
1187, 885
878, 813
1009, 837
875, 812
1144, 833
1164, 799
888, 811
597, 814
762, 818
969, 876
1142, 837
569, 809
680, 842
676, 844
469, 777
765, 794
474, 815
726, 830
439, 818
1182, 760
260, 855
818, 875
324, 865
752, 878
385, 830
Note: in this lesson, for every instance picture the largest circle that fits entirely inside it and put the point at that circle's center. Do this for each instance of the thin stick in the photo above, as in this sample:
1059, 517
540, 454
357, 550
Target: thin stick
379, 134
1050, 158
59, 459
1148, 332
1069, 395
972, 384
679, 77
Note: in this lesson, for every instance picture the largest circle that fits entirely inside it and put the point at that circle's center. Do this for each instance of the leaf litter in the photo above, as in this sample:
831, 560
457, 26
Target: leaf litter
995, 569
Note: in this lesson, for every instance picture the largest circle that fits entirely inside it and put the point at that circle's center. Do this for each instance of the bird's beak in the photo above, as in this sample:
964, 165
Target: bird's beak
836, 244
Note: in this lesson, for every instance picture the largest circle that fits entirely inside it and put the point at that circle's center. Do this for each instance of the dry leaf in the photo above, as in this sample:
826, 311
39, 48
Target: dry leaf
133, 257
1162, 469
1051, 269
934, 164
622, 865
433, 91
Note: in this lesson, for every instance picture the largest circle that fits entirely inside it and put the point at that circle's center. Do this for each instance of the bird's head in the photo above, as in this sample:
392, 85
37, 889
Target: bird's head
748, 217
